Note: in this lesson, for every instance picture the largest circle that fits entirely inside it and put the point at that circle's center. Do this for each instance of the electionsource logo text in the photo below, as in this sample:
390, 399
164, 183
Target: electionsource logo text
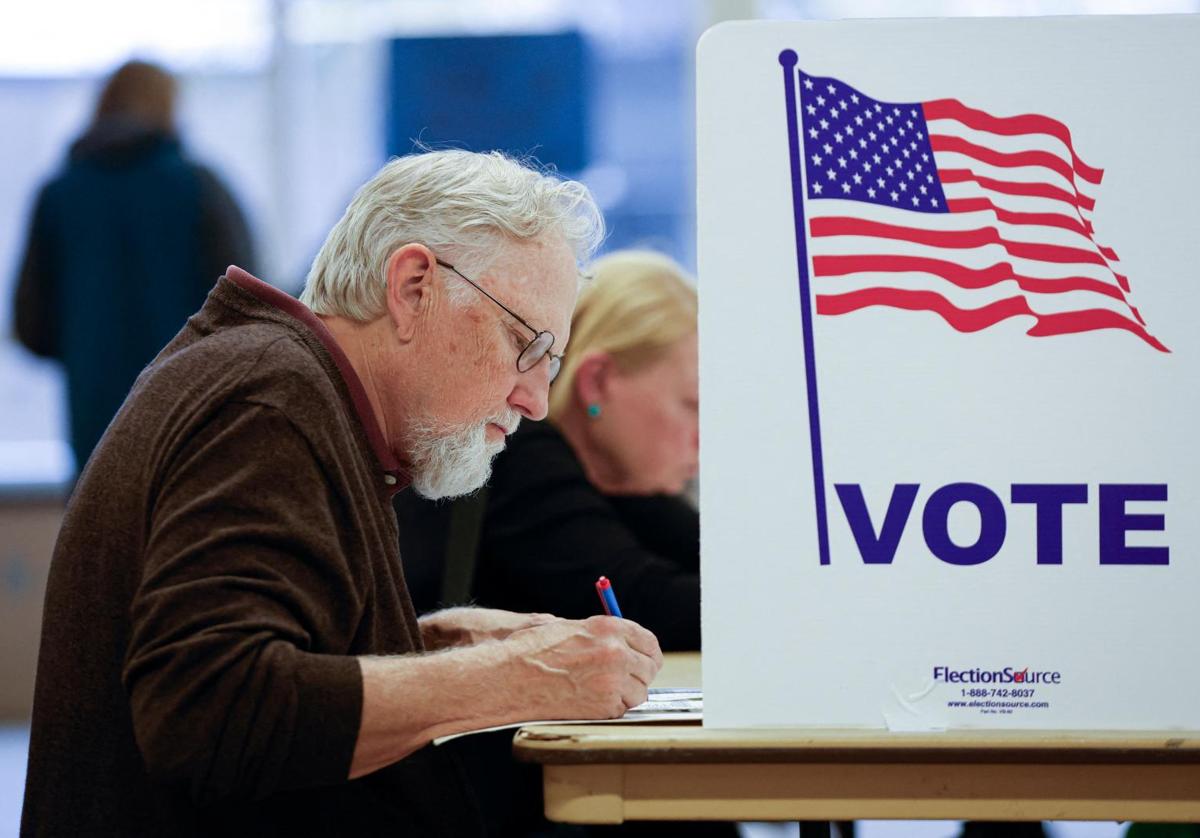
1007, 675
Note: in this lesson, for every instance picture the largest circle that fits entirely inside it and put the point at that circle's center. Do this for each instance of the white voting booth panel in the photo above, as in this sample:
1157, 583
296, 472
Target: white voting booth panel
971, 496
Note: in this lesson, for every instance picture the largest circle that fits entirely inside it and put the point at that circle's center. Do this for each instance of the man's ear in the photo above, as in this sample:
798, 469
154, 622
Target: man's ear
593, 378
409, 285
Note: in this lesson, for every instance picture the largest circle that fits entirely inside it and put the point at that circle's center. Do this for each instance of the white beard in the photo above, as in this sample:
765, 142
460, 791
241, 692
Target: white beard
448, 462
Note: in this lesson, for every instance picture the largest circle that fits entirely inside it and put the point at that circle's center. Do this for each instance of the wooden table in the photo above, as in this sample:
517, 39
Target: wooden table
613, 773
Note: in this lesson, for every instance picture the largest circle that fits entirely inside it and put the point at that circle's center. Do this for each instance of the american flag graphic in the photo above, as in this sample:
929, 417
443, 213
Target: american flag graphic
937, 206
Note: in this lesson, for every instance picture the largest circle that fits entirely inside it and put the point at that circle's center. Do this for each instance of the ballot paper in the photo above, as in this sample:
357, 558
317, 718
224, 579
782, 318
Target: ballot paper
662, 705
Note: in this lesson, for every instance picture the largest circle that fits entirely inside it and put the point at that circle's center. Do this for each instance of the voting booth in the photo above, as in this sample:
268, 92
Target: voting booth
949, 373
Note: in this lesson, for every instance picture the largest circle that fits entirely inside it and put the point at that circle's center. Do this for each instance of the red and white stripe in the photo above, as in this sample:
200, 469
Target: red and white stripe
1018, 239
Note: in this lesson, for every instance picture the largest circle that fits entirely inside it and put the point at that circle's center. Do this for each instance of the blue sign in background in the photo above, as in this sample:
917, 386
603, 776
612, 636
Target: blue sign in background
524, 94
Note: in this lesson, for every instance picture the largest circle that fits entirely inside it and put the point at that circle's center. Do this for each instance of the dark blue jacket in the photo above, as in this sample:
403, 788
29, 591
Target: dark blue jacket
124, 245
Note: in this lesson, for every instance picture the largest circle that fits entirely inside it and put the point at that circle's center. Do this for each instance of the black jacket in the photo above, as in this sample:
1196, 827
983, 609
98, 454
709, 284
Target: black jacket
124, 244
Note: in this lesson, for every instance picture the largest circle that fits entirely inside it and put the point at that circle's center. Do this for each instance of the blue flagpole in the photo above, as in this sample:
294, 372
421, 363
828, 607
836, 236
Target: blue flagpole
787, 60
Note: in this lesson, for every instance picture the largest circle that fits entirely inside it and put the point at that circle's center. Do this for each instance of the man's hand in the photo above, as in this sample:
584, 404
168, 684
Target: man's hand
544, 668
468, 626
584, 669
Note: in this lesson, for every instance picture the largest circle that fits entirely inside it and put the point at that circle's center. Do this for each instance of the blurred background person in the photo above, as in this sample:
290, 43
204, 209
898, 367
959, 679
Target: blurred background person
596, 489
124, 244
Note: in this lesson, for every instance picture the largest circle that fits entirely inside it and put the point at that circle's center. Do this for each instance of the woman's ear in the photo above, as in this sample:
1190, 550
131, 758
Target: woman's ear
409, 284
593, 378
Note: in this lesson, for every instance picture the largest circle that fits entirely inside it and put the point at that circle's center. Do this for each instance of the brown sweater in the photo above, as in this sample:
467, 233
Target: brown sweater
228, 551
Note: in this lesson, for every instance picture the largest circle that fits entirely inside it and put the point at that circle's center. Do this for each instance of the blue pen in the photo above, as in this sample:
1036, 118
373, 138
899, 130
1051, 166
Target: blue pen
607, 598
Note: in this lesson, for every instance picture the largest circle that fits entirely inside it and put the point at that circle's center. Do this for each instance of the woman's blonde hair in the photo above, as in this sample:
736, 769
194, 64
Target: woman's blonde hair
636, 307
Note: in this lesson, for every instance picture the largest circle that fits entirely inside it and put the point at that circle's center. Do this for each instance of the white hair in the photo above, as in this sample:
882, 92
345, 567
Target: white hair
459, 203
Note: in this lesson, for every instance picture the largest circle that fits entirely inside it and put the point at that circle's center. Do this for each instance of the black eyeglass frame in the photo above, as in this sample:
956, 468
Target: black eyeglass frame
542, 334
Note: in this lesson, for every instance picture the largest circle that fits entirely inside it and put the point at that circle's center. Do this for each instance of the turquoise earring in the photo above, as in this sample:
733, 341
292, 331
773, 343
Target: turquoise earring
593, 410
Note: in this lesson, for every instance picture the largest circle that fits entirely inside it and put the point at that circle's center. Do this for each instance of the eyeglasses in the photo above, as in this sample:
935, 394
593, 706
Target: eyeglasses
537, 348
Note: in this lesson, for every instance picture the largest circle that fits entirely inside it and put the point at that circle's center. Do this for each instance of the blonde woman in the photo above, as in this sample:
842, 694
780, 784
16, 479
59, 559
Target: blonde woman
594, 490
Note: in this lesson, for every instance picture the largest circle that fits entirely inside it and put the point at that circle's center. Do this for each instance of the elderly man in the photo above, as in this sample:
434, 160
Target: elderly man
228, 645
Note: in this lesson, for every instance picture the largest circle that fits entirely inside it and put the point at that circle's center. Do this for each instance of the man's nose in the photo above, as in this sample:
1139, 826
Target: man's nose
530, 395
